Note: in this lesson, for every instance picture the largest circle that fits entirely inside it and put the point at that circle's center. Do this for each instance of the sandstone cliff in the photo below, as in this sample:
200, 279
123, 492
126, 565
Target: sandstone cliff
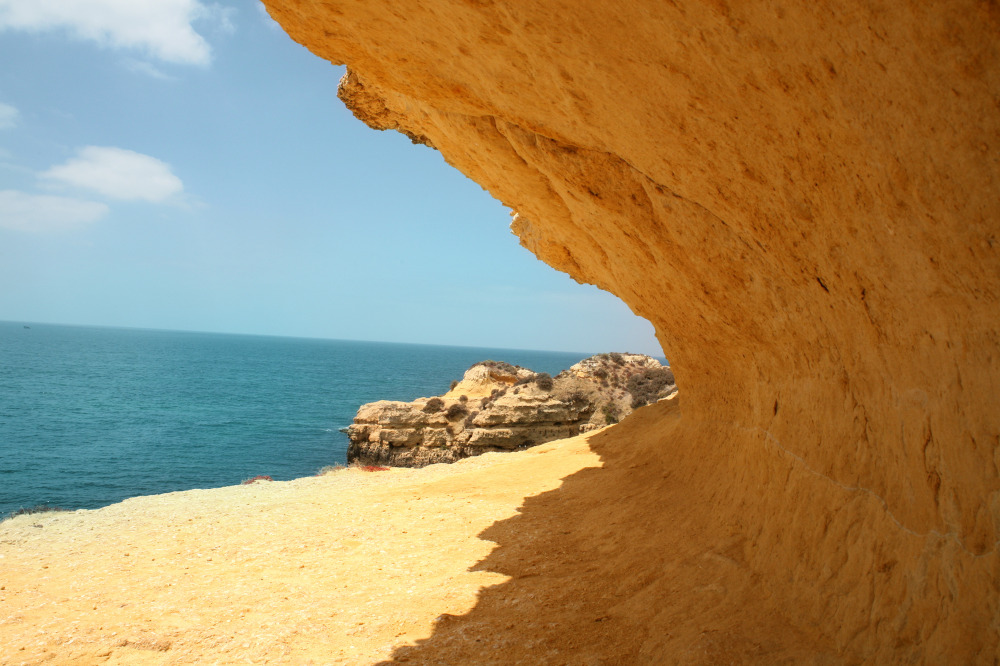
802, 198
503, 407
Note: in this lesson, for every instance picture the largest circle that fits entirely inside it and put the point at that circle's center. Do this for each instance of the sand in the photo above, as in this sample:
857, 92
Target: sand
342, 568
616, 547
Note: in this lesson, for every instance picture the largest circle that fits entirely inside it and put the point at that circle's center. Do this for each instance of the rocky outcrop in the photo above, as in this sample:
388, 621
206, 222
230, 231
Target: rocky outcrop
802, 198
503, 407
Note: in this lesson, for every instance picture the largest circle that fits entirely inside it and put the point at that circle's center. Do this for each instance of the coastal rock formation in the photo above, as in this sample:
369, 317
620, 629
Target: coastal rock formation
802, 198
503, 407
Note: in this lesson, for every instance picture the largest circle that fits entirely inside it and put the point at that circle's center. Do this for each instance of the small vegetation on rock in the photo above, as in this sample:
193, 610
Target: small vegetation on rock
611, 414
434, 405
456, 411
649, 386
501, 366
454, 383
470, 418
496, 393
543, 380
616, 358
259, 477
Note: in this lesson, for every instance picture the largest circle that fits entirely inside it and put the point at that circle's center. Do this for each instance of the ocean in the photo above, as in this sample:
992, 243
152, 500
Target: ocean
90, 416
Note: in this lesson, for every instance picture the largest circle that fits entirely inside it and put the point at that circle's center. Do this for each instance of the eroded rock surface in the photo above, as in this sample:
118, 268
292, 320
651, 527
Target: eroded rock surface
802, 198
503, 407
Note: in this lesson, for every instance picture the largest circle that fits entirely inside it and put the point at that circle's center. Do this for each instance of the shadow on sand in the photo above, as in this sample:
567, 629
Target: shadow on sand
623, 564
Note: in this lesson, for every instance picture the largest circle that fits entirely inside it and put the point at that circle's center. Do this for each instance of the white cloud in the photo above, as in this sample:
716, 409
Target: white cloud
40, 213
8, 116
119, 174
143, 67
222, 16
161, 28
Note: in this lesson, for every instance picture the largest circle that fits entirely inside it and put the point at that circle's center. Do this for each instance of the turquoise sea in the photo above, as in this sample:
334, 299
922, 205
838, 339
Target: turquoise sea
91, 416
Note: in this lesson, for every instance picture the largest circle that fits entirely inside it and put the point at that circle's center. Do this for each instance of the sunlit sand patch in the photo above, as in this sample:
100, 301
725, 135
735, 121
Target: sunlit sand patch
340, 568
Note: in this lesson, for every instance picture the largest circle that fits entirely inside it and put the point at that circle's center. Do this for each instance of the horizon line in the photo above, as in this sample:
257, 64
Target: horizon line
310, 337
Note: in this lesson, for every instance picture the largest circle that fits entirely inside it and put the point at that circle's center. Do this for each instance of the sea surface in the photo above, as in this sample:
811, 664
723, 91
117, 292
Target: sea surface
91, 416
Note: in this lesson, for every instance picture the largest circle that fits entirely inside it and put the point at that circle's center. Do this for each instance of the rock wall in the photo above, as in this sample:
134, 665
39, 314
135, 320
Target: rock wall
802, 197
502, 407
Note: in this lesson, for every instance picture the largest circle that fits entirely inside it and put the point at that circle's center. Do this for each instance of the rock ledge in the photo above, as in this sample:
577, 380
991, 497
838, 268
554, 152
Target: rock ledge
502, 407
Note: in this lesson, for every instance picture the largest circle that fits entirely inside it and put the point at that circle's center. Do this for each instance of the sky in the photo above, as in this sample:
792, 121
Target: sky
184, 165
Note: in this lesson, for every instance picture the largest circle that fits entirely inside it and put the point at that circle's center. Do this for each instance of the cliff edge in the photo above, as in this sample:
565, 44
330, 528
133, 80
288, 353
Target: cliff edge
502, 407
802, 198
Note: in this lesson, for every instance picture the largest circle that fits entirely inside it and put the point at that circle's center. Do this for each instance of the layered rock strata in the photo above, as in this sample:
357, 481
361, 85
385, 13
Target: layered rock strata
502, 407
802, 198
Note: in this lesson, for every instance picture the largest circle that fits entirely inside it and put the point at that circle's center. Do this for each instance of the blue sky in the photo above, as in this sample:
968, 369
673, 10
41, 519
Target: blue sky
184, 165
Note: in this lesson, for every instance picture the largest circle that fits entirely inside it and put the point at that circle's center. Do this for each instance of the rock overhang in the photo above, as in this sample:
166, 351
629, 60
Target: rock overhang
801, 197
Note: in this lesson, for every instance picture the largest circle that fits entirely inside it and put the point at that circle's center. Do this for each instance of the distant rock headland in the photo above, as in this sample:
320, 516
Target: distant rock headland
502, 407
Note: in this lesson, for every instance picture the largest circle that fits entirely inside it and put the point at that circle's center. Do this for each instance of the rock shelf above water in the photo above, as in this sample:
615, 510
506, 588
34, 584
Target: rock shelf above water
501, 407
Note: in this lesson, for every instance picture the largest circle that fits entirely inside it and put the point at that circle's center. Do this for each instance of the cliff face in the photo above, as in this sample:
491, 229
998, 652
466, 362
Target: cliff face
502, 407
802, 199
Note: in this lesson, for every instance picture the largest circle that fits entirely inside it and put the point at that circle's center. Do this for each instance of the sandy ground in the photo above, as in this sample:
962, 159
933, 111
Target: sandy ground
343, 568
624, 546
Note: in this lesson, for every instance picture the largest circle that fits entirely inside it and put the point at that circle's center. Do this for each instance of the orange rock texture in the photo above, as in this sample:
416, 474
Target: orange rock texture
804, 199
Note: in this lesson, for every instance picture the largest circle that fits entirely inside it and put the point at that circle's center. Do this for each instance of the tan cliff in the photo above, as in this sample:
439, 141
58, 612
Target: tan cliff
502, 407
802, 197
